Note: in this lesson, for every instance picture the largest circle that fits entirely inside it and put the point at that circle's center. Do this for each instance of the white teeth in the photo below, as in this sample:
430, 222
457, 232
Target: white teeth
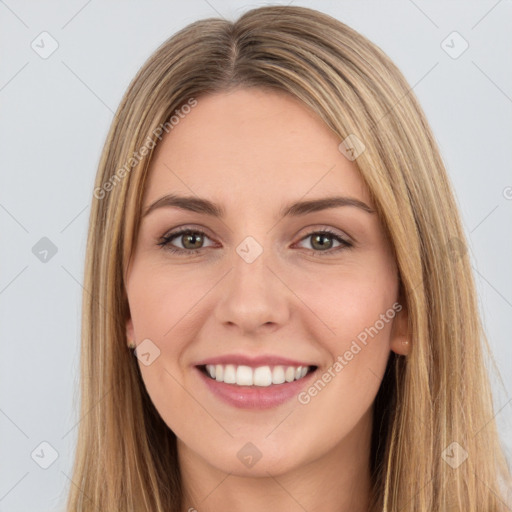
262, 376
211, 370
229, 374
244, 376
278, 375
289, 375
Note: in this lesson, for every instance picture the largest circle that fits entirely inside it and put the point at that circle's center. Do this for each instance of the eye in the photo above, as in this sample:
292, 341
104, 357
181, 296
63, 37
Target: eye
192, 241
320, 241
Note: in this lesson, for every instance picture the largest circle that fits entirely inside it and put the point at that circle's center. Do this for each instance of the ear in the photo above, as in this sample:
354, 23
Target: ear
400, 342
130, 337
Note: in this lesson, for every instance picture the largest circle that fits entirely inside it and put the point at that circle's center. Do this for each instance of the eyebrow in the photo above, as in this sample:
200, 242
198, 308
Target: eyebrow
206, 207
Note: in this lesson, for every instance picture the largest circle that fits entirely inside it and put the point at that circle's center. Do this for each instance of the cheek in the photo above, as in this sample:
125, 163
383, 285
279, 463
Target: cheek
356, 313
162, 300
357, 306
164, 304
349, 300
162, 309
346, 388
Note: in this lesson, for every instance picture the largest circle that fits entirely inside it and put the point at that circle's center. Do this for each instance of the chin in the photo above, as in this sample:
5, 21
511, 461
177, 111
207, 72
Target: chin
268, 464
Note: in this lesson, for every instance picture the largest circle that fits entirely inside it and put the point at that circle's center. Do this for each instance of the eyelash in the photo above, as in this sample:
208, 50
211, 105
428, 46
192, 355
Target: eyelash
166, 240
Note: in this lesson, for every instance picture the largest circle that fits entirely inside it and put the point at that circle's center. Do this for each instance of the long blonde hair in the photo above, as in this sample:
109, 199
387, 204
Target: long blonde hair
438, 395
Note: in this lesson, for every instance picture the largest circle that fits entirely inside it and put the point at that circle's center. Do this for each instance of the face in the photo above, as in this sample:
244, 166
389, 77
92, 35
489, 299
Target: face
261, 294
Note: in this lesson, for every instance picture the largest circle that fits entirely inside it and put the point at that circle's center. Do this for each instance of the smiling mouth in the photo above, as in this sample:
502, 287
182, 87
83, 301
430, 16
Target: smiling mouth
262, 376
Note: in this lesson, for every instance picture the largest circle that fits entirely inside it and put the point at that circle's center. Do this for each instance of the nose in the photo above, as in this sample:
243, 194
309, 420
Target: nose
252, 296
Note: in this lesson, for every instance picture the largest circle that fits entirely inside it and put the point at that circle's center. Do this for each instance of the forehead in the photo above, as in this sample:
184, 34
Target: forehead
253, 144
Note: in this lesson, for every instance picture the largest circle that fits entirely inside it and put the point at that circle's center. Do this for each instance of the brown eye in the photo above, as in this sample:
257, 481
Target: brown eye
322, 242
192, 241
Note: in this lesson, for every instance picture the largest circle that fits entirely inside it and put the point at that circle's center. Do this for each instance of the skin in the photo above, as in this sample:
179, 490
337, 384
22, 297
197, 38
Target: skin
252, 151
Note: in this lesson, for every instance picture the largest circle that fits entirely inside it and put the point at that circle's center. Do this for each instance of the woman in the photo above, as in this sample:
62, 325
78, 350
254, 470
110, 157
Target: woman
275, 234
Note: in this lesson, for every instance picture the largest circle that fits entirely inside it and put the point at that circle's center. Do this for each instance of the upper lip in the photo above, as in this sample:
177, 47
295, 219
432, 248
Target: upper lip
261, 360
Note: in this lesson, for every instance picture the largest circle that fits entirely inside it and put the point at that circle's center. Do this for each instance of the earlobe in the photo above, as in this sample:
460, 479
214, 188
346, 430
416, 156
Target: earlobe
400, 338
400, 347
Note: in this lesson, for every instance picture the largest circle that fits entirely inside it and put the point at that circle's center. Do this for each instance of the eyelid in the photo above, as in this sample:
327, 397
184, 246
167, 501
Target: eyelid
187, 227
316, 228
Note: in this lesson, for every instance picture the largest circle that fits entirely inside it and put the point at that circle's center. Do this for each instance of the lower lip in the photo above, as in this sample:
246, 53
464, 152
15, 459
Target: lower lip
255, 397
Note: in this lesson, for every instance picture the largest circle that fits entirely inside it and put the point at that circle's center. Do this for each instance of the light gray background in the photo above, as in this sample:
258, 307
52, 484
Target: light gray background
54, 119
